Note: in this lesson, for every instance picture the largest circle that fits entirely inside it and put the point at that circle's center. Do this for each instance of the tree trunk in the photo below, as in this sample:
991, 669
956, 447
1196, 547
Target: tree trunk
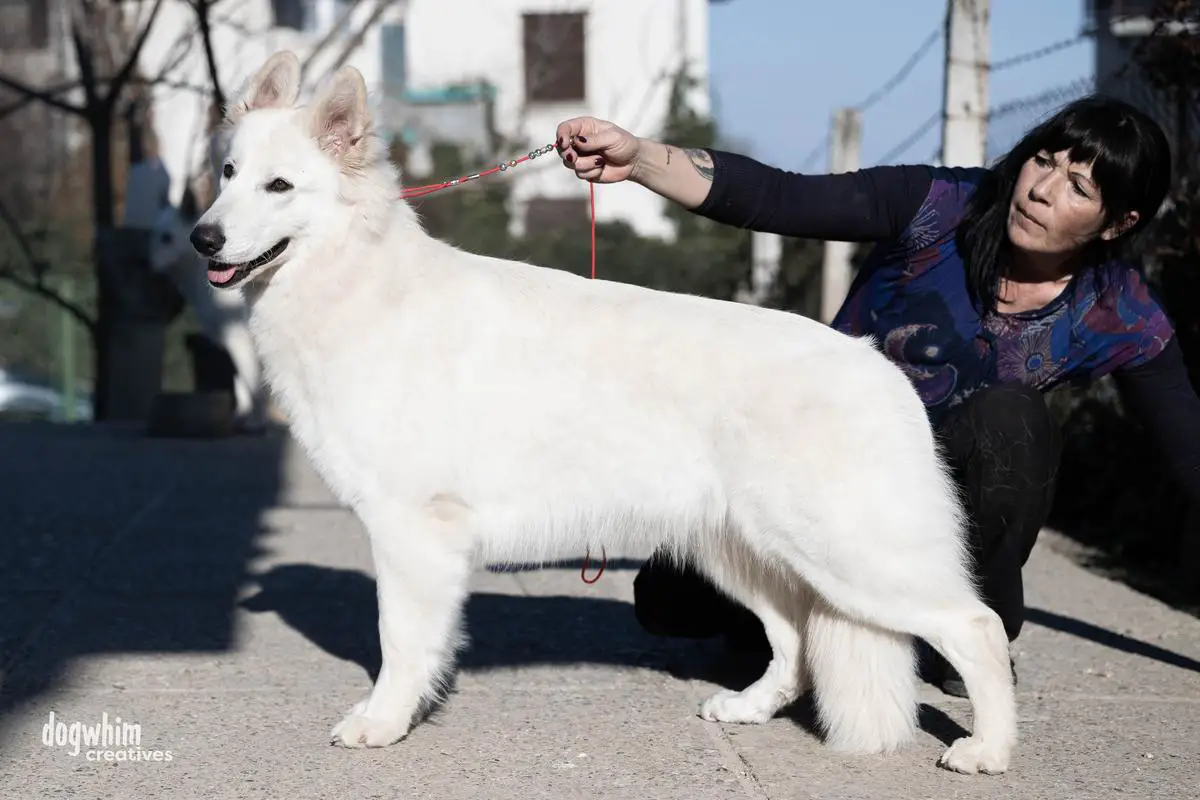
102, 216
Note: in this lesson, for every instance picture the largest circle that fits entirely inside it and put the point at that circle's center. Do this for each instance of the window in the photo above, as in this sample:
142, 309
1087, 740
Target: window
299, 15
554, 57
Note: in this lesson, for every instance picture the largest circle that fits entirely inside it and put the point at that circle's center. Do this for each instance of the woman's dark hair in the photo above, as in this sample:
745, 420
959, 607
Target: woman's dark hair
1131, 163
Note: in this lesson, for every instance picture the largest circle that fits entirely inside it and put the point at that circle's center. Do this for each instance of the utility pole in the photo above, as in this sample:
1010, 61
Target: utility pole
845, 155
965, 92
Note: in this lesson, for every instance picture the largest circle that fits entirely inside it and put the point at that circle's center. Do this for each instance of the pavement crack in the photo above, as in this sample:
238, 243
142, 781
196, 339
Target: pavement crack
736, 763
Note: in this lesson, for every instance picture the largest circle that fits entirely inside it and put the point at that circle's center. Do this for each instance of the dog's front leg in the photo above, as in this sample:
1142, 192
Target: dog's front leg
422, 571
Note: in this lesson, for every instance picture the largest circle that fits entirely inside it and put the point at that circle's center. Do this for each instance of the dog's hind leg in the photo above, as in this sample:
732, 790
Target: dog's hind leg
422, 571
972, 638
865, 682
936, 603
781, 603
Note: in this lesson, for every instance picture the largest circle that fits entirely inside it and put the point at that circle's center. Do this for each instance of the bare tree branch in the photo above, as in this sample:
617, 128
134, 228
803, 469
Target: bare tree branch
10, 220
87, 69
122, 76
356, 40
330, 35
47, 96
41, 290
9, 110
36, 285
202, 7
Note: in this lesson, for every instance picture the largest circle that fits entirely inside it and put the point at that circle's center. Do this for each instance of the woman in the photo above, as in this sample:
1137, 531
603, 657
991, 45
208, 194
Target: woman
988, 287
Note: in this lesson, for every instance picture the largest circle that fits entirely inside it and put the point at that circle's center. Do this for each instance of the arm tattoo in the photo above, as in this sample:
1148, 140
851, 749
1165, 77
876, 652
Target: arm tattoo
702, 161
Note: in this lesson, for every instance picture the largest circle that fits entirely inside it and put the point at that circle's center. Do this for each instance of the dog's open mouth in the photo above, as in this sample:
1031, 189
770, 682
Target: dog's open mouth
226, 275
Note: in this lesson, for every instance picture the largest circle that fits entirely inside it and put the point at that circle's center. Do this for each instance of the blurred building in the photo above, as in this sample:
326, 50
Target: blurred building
492, 76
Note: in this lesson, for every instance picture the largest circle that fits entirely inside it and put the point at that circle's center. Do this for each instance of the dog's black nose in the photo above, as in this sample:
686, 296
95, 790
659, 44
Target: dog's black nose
207, 239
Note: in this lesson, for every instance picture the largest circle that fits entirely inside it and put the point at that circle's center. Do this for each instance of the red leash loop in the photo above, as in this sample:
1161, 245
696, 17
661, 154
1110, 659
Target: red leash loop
587, 558
430, 188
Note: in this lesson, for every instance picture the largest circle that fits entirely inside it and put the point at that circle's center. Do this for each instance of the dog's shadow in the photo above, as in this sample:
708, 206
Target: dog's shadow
338, 611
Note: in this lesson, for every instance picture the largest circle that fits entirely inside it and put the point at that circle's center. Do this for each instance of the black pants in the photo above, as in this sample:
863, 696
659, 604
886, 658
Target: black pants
1004, 450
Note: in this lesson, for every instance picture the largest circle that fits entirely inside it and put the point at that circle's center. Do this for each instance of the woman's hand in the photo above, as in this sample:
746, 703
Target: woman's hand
601, 152
597, 150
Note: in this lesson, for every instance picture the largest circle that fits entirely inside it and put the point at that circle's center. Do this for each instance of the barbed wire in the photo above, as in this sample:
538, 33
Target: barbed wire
1070, 91
1034, 55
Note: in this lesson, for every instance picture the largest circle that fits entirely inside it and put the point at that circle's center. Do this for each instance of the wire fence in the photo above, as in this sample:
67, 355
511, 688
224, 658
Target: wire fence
907, 146
1009, 119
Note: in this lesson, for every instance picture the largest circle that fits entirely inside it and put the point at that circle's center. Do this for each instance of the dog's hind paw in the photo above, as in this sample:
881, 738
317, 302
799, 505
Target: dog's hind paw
358, 730
970, 755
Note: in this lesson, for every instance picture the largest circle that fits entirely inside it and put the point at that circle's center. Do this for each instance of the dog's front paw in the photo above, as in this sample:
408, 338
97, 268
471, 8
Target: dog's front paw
359, 730
747, 708
970, 755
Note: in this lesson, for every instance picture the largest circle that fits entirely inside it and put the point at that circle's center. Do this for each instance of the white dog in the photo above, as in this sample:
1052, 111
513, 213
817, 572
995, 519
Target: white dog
468, 406
223, 316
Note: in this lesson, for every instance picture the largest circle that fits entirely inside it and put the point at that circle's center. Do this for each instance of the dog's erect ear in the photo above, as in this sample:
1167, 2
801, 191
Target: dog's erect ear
275, 85
340, 117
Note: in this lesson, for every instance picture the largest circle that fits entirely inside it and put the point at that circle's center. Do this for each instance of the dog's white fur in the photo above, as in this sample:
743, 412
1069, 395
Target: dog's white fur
223, 317
468, 406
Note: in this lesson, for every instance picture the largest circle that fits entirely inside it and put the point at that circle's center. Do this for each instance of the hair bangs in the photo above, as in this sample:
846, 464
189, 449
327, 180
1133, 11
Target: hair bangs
1110, 144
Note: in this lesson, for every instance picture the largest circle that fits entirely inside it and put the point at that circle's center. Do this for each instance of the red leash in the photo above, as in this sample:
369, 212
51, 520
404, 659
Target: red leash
421, 191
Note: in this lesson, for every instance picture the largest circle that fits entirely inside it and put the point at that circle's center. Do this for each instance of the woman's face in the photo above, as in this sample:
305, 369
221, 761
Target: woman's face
1056, 207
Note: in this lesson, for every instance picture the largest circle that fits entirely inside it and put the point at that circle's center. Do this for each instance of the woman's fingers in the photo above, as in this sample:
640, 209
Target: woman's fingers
589, 168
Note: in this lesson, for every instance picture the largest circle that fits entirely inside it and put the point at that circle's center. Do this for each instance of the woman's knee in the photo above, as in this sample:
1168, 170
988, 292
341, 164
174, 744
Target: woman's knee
1012, 420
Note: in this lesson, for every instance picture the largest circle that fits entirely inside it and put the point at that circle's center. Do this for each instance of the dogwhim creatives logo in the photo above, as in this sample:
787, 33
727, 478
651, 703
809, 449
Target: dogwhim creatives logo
109, 739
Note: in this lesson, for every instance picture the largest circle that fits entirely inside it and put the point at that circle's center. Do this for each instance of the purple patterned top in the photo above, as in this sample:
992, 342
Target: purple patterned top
912, 296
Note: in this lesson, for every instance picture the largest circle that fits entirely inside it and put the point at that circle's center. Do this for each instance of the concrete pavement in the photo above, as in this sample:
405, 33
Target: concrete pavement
213, 594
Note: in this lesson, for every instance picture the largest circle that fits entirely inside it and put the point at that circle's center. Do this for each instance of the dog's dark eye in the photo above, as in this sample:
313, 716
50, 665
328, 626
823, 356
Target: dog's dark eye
228, 172
278, 185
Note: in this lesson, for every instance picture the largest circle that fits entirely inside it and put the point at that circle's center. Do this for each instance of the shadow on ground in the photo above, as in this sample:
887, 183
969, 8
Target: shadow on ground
119, 543
1110, 639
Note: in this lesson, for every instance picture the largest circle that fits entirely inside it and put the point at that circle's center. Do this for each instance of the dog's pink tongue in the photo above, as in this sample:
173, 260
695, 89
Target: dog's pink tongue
221, 275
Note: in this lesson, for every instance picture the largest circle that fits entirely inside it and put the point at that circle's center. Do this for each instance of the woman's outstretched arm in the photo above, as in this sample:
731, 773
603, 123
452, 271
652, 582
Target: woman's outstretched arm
866, 205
